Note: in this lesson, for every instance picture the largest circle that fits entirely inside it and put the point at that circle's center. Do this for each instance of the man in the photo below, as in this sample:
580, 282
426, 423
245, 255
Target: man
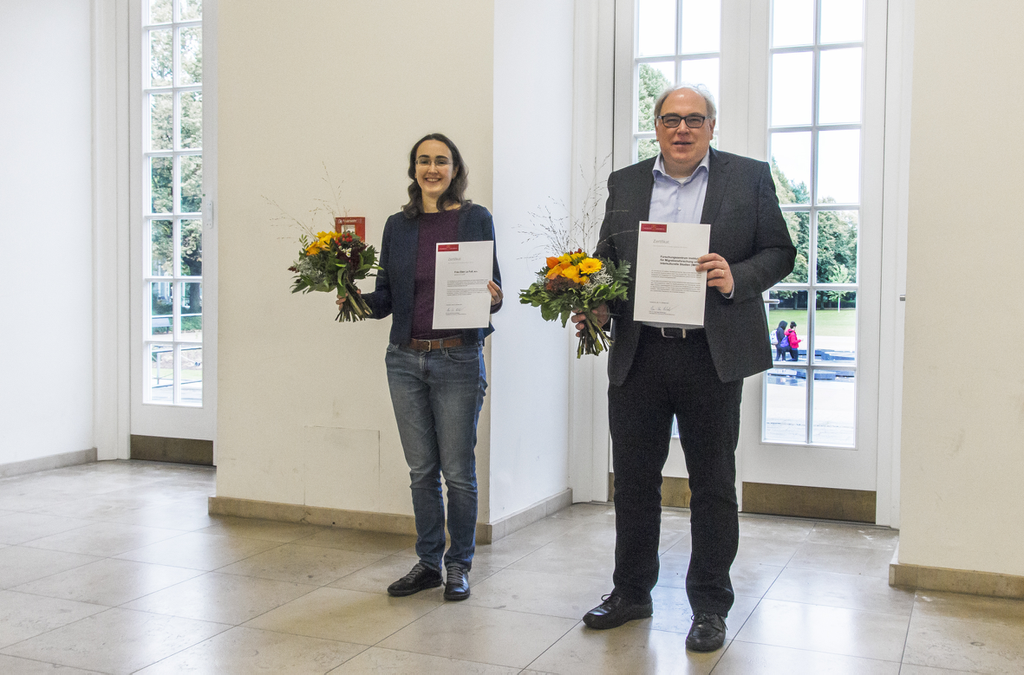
690, 373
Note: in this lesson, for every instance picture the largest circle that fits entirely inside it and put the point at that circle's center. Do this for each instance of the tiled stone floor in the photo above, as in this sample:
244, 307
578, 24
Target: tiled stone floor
116, 567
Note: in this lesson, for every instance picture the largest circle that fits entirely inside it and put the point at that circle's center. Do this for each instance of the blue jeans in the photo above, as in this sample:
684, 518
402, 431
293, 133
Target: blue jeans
437, 396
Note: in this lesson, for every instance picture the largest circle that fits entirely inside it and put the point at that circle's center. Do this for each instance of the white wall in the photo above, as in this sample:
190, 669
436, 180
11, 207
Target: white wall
45, 229
963, 406
533, 87
305, 416
304, 411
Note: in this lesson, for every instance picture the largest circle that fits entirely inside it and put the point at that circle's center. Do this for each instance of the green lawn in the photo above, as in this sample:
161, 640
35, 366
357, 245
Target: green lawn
840, 323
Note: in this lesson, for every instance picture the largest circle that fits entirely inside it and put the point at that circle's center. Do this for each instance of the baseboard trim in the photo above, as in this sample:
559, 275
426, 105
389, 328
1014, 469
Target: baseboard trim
177, 450
371, 521
50, 462
970, 582
503, 527
857, 506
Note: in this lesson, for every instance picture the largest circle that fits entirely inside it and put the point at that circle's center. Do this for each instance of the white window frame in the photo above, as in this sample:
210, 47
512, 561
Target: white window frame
160, 419
819, 465
742, 50
111, 227
812, 286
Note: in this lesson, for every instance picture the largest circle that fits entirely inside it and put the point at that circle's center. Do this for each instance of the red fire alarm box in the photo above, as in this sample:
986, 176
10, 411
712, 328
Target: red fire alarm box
354, 224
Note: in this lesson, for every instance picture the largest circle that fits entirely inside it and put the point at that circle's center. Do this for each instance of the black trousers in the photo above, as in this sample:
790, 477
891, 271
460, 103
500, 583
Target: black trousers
675, 378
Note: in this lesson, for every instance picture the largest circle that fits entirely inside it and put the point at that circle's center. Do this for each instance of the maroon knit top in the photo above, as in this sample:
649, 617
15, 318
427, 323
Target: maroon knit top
435, 228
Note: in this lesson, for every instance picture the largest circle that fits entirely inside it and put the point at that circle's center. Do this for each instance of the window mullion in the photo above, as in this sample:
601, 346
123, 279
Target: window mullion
679, 42
176, 285
812, 258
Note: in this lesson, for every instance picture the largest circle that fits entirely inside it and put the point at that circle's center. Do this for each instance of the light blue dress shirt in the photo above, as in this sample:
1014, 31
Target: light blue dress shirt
678, 201
674, 201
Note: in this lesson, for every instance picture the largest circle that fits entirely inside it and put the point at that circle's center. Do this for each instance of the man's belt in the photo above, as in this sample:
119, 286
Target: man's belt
672, 333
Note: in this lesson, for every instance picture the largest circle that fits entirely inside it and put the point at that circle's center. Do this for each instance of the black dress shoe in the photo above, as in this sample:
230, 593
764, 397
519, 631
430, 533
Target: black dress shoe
456, 586
616, 610
707, 633
419, 578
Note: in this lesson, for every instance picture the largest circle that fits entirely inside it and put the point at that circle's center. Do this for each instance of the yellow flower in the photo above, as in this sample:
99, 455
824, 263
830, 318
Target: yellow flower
584, 281
314, 248
563, 258
590, 265
571, 272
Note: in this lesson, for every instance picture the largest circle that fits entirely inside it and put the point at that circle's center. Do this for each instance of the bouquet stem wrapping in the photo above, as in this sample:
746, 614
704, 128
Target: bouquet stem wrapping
594, 339
353, 307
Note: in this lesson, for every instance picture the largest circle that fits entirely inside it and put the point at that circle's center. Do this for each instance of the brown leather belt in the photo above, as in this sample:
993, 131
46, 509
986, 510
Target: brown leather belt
431, 345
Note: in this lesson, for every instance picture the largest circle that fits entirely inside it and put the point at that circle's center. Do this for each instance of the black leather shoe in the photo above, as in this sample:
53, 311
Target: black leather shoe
419, 578
456, 586
707, 633
616, 610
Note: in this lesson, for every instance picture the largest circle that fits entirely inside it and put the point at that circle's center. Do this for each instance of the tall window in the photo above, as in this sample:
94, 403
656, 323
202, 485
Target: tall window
172, 91
814, 80
678, 41
815, 122
172, 200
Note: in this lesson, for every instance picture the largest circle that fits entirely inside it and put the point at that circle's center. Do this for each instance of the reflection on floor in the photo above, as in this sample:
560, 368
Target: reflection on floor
115, 567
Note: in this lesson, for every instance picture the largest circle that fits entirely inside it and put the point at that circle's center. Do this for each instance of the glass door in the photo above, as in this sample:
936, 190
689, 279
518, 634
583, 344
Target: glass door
815, 131
800, 84
172, 357
816, 422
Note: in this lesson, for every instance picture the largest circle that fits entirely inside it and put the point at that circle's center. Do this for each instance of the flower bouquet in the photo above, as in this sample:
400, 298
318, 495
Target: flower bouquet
578, 281
334, 261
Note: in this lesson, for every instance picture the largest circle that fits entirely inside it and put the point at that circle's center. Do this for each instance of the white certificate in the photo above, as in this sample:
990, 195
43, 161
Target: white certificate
461, 273
669, 289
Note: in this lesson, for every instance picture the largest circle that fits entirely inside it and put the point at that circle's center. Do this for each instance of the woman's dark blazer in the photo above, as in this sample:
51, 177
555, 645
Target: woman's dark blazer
394, 290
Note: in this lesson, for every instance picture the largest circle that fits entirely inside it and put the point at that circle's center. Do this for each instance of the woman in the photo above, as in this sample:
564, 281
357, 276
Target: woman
781, 347
436, 377
794, 341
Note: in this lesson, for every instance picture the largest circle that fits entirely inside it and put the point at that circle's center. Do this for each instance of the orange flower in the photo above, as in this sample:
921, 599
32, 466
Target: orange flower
552, 263
557, 270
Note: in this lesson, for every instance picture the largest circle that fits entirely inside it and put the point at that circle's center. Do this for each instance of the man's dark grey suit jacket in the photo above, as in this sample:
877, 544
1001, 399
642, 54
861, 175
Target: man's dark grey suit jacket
747, 229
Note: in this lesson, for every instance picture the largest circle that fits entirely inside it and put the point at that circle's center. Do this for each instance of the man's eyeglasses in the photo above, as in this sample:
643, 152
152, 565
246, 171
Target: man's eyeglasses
672, 121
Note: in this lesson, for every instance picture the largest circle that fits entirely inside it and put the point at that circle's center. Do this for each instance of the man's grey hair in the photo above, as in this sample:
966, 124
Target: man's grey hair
709, 100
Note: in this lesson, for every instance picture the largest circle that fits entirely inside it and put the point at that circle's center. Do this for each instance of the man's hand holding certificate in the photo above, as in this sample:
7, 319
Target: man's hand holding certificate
672, 265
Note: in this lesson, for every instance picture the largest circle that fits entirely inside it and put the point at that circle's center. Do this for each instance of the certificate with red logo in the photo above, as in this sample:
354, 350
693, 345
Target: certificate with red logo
669, 289
461, 272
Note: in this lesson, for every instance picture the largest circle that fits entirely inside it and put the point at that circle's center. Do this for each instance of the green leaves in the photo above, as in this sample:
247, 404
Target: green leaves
559, 301
334, 266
